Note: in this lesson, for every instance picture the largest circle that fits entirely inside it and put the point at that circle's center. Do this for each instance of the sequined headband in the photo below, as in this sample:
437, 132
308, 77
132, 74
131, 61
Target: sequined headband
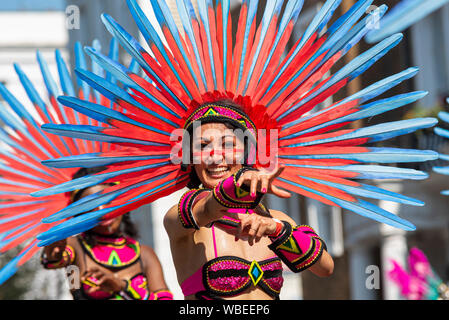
218, 113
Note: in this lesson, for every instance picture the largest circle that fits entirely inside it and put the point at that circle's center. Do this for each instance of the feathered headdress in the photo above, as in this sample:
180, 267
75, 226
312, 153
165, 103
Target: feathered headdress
322, 159
26, 145
419, 282
444, 116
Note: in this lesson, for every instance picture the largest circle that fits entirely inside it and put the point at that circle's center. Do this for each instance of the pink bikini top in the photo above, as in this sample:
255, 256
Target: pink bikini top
230, 276
115, 253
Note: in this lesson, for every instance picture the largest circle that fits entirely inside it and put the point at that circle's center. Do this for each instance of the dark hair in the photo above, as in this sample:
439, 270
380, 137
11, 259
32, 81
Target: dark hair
127, 227
194, 180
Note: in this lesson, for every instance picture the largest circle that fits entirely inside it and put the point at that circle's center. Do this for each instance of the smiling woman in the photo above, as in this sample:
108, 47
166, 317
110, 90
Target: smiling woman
221, 234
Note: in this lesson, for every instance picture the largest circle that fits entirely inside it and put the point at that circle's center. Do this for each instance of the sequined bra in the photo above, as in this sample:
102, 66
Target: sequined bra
228, 276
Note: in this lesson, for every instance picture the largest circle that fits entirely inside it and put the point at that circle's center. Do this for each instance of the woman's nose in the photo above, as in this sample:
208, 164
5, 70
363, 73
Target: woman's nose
216, 156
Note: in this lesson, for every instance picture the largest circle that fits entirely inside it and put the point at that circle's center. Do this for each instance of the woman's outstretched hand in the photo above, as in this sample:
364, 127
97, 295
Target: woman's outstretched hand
262, 180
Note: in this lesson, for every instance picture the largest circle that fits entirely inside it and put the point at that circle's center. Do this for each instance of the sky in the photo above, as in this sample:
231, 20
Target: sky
32, 5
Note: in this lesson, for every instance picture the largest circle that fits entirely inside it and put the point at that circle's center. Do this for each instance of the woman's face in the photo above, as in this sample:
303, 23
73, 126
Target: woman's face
217, 153
106, 227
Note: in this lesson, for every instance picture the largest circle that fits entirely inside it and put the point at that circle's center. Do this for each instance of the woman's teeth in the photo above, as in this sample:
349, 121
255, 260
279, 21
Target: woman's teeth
216, 171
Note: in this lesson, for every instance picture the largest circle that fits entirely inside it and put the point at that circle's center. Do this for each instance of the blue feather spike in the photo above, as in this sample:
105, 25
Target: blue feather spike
344, 24
96, 69
226, 8
378, 155
203, 7
92, 133
32, 93
121, 73
165, 19
9, 269
273, 8
133, 47
94, 201
318, 22
368, 191
66, 82
80, 63
152, 38
362, 208
252, 11
91, 180
20, 110
187, 13
402, 16
291, 13
353, 69
363, 95
444, 116
88, 220
372, 171
113, 55
367, 111
341, 41
95, 160
51, 85
114, 93
378, 132
71, 227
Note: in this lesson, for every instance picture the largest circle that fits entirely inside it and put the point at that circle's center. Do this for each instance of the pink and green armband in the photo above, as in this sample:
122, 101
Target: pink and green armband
229, 195
298, 247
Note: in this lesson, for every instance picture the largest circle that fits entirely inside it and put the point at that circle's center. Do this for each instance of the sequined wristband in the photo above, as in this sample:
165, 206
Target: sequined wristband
229, 195
298, 247
161, 295
185, 206
67, 258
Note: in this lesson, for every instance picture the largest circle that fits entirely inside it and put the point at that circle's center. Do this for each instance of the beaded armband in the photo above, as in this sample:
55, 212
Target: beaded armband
67, 258
185, 208
164, 294
298, 247
229, 195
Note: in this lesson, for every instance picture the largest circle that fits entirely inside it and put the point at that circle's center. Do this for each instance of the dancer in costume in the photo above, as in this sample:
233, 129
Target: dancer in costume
111, 263
27, 145
224, 242
420, 282
276, 98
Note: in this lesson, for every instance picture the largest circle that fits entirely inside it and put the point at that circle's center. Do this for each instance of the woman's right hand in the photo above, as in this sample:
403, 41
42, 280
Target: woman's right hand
55, 250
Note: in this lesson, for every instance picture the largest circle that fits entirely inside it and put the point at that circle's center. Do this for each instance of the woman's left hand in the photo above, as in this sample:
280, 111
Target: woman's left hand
253, 226
105, 281
262, 180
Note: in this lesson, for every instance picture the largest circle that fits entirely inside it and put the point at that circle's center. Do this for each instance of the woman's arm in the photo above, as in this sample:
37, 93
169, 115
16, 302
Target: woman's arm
155, 275
58, 255
324, 267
